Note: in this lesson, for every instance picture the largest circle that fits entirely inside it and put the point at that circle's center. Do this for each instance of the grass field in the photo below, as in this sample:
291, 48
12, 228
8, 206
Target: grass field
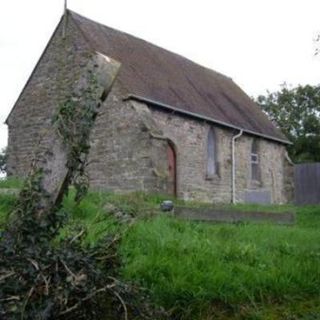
208, 271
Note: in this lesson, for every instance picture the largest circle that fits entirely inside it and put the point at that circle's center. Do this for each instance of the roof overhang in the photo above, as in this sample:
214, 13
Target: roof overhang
204, 118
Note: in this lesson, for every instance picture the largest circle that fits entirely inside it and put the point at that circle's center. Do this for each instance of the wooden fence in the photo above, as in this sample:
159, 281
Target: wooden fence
307, 183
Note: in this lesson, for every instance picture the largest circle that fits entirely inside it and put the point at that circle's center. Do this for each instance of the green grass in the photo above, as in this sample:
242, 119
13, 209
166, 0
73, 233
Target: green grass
208, 271
90, 215
9, 183
6, 205
7, 200
194, 264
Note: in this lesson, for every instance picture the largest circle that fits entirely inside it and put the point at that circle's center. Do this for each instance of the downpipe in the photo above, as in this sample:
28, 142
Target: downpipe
234, 138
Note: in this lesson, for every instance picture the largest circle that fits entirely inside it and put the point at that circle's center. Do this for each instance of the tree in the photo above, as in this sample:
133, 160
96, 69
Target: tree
296, 111
3, 160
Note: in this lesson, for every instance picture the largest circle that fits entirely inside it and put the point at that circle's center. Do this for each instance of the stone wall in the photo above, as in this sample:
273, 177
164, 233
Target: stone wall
190, 139
129, 141
123, 157
59, 67
272, 169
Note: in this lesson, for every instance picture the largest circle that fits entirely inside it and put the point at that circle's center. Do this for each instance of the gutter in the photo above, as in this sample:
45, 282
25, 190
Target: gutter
234, 138
198, 116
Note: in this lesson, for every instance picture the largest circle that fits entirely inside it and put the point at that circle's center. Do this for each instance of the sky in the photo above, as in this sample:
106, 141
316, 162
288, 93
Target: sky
259, 43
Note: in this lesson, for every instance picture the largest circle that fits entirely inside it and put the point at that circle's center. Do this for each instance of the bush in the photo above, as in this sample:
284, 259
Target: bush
3, 160
45, 276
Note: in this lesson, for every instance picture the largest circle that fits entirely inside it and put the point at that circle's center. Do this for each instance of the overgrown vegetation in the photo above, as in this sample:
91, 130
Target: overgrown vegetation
66, 277
45, 274
43, 280
74, 121
208, 271
37, 279
195, 264
205, 271
3, 160
10, 183
7, 202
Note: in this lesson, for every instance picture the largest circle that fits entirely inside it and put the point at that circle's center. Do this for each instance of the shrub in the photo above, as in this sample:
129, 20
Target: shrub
44, 278
3, 160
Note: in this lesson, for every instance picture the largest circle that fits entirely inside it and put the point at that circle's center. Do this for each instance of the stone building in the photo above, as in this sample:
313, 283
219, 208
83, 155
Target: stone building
169, 125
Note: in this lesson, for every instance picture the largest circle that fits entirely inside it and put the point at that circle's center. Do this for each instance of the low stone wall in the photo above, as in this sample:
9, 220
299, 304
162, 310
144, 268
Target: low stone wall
230, 216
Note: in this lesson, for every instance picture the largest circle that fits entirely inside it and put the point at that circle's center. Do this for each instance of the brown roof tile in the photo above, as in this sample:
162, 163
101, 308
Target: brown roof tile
157, 74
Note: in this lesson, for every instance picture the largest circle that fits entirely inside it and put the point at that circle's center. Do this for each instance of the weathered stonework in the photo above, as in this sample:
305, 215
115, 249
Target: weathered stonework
190, 139
59, 67
129, 142
122, 155
272, 158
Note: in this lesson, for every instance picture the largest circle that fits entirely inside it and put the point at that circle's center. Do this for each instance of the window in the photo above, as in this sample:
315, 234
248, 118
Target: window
211, 154
255, 172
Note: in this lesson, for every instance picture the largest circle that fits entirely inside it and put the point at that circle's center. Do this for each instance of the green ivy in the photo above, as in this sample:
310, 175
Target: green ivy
74, 121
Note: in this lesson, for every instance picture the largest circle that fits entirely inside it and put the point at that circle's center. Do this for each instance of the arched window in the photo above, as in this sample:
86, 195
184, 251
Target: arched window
255, 172
211, 154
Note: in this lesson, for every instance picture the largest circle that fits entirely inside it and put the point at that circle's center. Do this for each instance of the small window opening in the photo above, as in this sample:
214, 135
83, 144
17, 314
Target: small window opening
255, 172
211, 154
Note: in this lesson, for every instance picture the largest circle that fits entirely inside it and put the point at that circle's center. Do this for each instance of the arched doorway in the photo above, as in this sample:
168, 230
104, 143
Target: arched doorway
172, 169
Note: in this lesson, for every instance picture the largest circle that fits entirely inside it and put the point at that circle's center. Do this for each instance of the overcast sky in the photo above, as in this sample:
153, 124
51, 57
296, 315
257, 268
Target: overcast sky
258, 43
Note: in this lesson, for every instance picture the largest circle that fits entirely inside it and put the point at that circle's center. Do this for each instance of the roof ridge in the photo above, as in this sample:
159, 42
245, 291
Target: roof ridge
70, 13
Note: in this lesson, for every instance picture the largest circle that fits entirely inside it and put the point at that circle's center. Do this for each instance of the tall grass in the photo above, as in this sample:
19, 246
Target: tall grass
101, 213
10, 182
208, 271
6, 204
189, 266
183, 261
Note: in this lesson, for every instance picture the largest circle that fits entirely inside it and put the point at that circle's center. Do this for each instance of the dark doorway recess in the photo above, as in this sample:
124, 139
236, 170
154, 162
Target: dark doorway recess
172, 169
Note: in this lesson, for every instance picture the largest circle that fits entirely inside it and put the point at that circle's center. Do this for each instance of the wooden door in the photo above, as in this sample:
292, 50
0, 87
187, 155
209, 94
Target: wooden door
172, 169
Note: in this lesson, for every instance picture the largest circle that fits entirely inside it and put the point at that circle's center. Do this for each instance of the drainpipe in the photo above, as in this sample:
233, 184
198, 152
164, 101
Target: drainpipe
234, 138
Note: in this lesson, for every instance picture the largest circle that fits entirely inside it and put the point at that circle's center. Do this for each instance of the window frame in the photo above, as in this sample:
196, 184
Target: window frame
255, 173
212, 167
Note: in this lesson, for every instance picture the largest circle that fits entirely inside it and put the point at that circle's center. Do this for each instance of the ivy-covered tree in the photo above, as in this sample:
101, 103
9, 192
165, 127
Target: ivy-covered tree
3, 160
296, 111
